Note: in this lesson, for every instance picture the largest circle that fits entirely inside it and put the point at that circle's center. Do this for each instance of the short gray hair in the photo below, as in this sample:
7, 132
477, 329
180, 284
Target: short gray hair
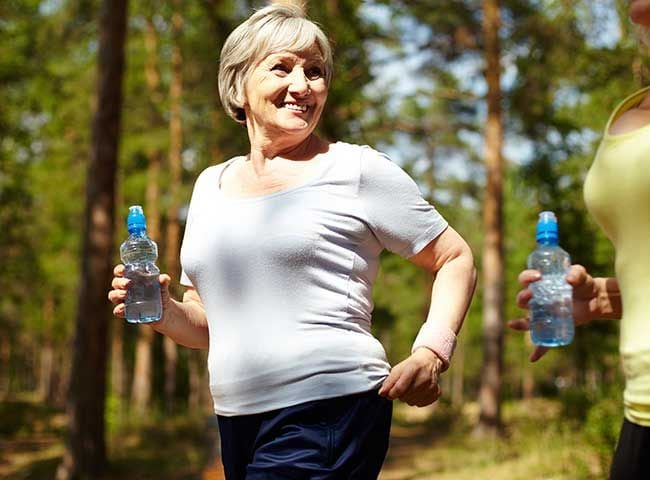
271, 29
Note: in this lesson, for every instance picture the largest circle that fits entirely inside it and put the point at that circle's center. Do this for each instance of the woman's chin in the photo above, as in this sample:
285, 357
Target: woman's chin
295, 126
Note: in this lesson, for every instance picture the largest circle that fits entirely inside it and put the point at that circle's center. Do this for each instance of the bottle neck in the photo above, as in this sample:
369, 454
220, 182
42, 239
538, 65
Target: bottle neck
548, 242
138, 232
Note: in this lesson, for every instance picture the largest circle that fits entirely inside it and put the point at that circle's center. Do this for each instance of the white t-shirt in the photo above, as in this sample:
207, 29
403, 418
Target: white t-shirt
286, 278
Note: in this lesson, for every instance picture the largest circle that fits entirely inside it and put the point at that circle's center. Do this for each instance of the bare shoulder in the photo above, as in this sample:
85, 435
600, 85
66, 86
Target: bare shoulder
633, 118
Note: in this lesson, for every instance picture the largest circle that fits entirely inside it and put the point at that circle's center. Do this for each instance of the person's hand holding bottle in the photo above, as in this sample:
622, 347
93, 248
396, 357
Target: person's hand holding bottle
120, 286
593, 298
140, 292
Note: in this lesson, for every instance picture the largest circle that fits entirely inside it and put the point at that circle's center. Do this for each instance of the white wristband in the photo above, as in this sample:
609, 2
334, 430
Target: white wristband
439, 339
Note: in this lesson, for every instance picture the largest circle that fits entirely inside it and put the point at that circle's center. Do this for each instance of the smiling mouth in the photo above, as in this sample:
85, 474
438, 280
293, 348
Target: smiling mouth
295, 107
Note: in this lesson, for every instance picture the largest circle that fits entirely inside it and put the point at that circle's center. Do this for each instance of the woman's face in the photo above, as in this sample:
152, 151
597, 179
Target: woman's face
640, 12
286, 93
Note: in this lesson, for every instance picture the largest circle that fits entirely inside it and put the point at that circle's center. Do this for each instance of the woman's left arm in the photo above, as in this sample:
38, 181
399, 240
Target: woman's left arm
449, 258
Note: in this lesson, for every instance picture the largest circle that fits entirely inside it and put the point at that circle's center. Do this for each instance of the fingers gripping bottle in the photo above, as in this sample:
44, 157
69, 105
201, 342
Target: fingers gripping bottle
139, 254
551, 320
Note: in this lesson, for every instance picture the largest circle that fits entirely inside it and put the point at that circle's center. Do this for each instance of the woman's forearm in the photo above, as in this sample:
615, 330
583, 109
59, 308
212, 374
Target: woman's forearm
185, 323
452, 292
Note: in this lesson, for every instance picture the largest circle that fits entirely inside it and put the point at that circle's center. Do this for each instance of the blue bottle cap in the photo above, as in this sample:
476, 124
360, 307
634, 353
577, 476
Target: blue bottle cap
547, 231
135, 220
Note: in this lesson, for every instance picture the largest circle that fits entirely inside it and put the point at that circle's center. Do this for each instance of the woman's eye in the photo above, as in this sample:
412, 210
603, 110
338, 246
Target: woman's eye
313, 73
280, 68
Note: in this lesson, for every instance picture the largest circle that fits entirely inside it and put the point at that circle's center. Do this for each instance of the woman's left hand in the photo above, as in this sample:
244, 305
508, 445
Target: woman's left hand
414, 380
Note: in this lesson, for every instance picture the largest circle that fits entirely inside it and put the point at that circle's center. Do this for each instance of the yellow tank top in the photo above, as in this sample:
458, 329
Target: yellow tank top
617, 194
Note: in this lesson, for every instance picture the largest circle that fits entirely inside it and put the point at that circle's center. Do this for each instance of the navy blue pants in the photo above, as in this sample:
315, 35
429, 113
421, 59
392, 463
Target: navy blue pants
343, 438
632, 457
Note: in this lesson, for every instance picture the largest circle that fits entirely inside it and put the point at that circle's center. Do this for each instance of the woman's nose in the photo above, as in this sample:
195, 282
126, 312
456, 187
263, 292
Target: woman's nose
299, 84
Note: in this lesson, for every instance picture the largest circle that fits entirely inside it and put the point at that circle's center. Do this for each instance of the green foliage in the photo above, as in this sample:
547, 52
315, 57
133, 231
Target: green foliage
576, 402
400, 293
113, 413
602, 426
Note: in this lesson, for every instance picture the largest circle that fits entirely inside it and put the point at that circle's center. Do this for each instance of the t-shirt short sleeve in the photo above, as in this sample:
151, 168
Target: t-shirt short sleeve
401, 219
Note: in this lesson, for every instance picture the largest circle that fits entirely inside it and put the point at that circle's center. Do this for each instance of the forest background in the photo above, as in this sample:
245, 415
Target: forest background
496, 121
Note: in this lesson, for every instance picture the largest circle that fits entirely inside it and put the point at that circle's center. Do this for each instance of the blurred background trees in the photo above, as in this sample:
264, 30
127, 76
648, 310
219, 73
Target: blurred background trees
410, 79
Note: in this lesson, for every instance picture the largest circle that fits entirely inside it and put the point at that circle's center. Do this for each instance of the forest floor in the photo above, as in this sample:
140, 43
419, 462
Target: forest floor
433, 443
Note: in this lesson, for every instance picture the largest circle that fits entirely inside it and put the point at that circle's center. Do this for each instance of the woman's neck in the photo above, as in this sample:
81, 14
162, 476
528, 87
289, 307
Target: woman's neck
264, 150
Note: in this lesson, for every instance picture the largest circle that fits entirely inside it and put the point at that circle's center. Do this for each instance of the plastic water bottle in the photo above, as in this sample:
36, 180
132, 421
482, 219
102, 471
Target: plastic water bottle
551, 319
139, 254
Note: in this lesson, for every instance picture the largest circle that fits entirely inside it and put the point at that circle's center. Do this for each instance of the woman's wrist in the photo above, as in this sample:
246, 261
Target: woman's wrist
438, 338
438, 364
169, 310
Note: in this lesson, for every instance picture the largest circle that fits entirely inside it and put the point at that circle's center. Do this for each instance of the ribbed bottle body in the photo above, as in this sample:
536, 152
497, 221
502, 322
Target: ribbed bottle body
143, 301
551, 318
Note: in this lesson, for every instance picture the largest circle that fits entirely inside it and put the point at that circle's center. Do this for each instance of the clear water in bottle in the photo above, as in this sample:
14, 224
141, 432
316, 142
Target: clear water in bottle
139, 254
551, 317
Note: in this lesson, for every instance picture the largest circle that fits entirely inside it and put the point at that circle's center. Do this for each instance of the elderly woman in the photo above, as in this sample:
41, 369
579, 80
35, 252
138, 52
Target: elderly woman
616, 192
280, 252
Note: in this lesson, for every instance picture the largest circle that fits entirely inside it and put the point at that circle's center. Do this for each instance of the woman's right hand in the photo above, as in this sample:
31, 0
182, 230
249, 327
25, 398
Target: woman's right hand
585, 300
120, 286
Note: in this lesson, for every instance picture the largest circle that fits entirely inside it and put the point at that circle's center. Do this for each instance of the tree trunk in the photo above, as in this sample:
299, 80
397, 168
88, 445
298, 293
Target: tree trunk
171, 360
527, 383
172, 243
46, 370
5, 366
458, 376
61, 382
527, 377
85, 455
142, 372
118, 377
493, 262
221, 28
175, 146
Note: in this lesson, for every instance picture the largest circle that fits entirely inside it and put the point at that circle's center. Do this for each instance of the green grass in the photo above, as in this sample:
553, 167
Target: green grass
537, 443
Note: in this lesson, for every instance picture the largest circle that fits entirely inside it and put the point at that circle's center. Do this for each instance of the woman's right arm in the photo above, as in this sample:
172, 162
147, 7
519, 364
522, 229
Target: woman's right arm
184, 322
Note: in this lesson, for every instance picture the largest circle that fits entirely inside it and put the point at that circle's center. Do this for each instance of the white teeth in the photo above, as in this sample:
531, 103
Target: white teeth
297, 108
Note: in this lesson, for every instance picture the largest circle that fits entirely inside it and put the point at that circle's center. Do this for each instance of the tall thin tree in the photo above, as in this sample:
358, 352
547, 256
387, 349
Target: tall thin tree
493, 261
143, 369
85, 456
172, 243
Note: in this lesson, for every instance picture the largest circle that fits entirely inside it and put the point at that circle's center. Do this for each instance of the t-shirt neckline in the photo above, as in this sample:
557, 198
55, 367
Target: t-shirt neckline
325, 162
